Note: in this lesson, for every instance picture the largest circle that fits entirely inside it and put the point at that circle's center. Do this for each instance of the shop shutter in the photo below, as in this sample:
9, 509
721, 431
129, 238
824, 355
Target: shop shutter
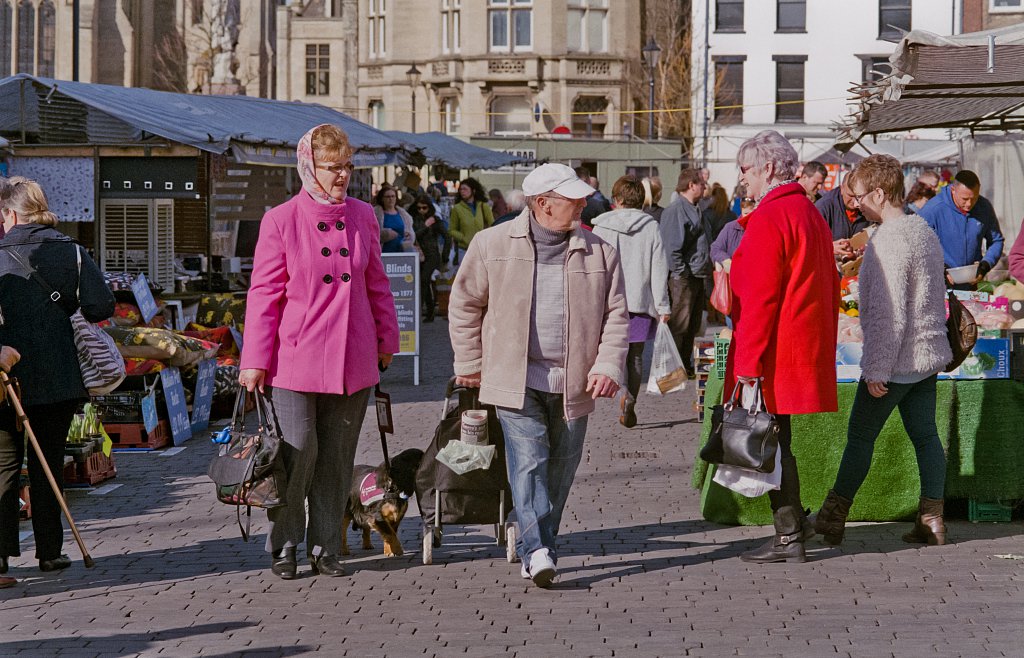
137, 236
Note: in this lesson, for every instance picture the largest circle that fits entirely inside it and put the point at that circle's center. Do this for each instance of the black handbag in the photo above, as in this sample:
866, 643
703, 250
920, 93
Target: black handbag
248, 470
744, 438
961, 330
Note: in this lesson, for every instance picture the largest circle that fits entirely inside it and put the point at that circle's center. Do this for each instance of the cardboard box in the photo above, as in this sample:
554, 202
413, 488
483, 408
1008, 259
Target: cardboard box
1017, 354
990, 359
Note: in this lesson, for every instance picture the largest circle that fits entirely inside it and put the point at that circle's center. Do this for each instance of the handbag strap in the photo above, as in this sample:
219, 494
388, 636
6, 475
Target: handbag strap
36, 276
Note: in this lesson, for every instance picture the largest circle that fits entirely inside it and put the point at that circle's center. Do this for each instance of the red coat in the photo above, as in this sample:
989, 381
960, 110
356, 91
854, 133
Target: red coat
786, 304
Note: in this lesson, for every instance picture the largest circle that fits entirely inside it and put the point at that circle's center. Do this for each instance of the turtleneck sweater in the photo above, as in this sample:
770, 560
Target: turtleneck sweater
545, 369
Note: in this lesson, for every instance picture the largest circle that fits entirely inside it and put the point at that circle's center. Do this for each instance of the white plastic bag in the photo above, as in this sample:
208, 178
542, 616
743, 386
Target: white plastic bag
463, 458
667, 372
750, 483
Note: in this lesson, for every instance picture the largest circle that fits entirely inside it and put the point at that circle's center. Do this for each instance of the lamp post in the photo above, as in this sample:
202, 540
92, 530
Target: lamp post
414, 81
651, 53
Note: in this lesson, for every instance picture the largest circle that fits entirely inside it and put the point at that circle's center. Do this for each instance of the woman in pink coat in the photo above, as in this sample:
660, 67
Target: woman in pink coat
319, 318
785, 309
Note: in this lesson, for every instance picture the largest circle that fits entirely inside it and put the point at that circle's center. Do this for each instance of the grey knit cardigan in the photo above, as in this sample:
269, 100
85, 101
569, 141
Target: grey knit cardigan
902, 294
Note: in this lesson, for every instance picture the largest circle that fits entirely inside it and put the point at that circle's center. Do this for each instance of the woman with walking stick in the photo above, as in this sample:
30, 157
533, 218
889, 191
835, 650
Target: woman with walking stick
38, 326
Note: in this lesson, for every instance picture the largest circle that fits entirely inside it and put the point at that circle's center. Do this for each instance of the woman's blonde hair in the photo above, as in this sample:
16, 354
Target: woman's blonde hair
26, 197
330, 144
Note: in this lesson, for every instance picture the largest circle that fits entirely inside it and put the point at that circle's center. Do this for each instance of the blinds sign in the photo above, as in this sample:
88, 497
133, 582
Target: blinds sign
403, 270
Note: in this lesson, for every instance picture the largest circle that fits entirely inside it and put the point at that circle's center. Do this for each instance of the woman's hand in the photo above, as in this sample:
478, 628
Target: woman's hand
384, 360
877, 389
430, 221
252, 379
665, 318
601, 386
469, 381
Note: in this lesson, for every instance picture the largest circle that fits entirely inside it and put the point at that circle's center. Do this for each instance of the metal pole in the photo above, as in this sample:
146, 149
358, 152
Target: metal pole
414, 109
707, 66
75, 24
650, 107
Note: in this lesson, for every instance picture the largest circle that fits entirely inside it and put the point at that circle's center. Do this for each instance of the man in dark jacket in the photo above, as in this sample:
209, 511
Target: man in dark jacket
962, 218
836, 206
686, 237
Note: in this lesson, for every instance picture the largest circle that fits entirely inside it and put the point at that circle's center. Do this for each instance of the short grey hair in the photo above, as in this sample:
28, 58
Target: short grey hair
769, 146
515, 200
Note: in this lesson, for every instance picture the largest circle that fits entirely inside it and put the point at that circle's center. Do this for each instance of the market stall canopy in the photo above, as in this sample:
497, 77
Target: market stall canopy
253, 130
973, 81
437, 148
907, 151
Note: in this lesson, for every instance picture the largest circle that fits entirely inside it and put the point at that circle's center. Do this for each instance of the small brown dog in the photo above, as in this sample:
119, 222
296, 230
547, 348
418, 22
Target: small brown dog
378, 501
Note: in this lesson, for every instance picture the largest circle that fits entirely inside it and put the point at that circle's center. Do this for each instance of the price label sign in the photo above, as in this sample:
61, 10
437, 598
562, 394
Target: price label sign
203, 398
149, 417
144, 297
177, 410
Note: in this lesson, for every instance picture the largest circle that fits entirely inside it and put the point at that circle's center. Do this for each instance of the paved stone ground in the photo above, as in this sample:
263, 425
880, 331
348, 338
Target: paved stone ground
641, 572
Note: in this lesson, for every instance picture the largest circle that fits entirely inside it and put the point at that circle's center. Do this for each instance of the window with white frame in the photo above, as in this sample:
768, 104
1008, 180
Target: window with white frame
588, 26
451, 15
510, 115
375, 113
377, 28
511, 25
451, 115
318, 69
1006, 6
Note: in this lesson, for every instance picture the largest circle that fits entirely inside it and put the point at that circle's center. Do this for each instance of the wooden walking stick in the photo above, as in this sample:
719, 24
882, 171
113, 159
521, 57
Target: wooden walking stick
23, 419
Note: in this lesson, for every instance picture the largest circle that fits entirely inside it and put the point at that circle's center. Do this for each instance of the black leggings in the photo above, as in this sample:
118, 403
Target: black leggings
634, 368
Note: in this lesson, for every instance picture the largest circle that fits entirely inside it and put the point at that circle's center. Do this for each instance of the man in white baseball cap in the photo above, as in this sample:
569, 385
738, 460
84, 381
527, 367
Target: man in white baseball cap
538, 323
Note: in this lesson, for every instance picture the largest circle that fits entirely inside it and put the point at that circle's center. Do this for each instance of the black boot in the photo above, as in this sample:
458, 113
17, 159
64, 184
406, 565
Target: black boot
628, 408
787, 545
830, 521
789, 495
283, 564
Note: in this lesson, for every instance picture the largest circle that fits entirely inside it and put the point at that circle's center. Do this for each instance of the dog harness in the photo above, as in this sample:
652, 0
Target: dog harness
369, 491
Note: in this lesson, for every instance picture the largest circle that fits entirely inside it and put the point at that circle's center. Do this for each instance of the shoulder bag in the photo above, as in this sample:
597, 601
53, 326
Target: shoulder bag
961, 331
248, 470
744, 438
101, 363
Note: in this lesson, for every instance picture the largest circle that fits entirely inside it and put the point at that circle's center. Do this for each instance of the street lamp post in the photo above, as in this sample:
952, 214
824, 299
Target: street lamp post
414, 81
651, 53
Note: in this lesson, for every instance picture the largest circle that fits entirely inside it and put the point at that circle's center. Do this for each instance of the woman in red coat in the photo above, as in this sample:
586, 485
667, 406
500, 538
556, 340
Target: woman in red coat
785, 309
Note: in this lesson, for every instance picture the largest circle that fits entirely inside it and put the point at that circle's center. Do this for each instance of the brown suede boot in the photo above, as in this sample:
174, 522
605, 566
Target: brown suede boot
830, 521
929, 527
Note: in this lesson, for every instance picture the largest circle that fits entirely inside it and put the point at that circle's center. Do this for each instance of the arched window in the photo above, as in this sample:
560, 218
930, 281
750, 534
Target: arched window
510, 115
26, 36
451, 115
47, 38
6, 29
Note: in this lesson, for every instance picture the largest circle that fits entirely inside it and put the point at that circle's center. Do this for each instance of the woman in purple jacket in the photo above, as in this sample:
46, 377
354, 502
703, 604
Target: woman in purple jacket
320, 316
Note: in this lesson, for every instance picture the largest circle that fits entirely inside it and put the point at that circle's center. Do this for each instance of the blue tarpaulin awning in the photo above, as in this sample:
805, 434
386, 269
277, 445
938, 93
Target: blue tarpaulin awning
255, 130
441, 149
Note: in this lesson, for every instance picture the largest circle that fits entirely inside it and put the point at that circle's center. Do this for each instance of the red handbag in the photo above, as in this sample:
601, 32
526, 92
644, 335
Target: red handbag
721, 296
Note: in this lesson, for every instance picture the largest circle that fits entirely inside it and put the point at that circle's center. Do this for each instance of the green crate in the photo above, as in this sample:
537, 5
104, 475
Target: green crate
721, 355
991, 512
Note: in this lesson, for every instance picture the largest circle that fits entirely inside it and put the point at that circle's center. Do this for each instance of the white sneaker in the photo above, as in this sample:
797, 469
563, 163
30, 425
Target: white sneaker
542, 568
524, 572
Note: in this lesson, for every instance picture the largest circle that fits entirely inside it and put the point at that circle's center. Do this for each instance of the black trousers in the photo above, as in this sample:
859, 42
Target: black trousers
427, 286
634, 368
687, 297
50, 424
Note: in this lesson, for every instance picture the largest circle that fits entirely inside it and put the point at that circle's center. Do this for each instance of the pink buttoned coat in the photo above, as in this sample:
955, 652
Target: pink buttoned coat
319, 307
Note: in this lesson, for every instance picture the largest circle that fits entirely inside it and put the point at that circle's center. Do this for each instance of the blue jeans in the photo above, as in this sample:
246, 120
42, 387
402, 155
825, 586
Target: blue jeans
542, 450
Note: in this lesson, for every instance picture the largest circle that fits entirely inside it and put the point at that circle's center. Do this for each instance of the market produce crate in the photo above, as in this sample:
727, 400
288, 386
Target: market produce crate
94, 470
721, 356
123, 406
992, 512
134, 435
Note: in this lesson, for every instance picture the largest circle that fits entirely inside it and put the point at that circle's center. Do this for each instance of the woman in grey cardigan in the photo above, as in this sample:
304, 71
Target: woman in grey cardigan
902, 290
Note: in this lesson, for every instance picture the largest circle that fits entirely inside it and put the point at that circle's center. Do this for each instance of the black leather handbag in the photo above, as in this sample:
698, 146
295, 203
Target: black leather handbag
744, 438
961, 330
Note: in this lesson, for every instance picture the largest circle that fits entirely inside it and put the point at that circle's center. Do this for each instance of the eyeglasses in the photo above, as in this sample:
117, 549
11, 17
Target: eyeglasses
858, 197
745, 168
338, 169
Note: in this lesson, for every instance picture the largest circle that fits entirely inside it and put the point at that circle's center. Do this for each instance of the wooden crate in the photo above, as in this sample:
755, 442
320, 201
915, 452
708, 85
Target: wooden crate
133, 435
94, 470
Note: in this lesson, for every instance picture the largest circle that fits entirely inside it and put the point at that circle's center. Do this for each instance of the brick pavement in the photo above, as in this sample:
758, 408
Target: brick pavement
641, 572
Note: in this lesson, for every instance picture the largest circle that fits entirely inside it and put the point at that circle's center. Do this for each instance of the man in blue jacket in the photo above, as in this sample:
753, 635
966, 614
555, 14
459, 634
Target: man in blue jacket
962, 218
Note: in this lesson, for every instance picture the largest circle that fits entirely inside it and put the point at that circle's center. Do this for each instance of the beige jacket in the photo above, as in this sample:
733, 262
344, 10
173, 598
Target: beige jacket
489, 314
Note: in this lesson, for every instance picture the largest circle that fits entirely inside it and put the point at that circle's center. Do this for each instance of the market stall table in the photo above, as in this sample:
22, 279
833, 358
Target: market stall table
981, 425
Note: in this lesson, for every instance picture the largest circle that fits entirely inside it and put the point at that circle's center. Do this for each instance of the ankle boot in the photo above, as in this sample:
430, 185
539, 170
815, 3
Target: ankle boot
628, 408
830, 521
283, 564
788, 543
788, 494
929, 527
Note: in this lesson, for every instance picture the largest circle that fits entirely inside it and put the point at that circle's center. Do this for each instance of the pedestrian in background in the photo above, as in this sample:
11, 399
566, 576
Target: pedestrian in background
320, 318
498, 207
785, 295
919, 195
538, 322
843, 218
903, 315
39, 328
687, 241
434, 245
652, 197
515, 201
636, 238
10, 479
396, 230
718, 214
812, 178
470, 215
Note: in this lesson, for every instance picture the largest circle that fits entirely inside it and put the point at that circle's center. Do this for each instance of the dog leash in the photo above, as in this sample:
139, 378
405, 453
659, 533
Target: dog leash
385, 421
